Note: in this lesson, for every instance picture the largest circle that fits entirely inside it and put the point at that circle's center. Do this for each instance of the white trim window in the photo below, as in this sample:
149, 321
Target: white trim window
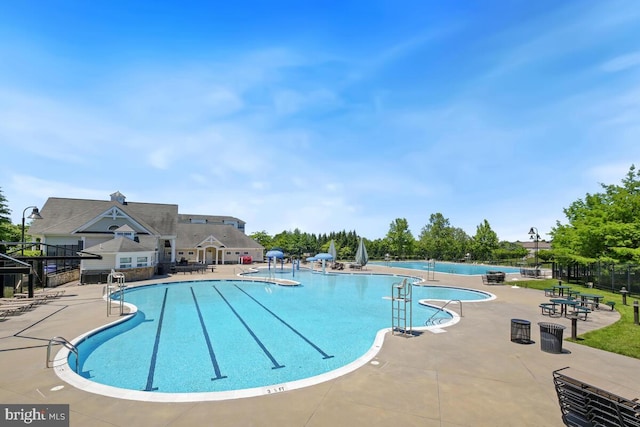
142, 261
125, 262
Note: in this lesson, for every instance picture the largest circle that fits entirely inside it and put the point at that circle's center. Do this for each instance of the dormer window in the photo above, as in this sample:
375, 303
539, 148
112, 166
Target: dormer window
124, 231
127, 235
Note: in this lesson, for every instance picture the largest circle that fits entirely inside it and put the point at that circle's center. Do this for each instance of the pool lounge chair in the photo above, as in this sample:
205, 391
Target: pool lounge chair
10, 307
6, 311
37, 298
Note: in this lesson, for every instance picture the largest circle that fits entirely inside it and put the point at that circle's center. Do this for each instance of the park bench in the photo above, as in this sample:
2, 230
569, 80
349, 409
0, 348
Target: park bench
189, 268
578, 310
548, 308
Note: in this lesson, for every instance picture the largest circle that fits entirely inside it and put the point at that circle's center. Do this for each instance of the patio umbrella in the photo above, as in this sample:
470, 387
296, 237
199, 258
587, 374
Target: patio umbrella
332, 250
361, 254
324, 257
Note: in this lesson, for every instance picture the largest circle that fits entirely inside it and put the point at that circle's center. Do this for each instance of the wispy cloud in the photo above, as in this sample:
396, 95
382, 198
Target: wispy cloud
490, 115
622, 62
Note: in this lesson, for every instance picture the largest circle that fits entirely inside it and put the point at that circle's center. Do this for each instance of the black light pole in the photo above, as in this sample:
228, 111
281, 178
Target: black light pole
35, 214
533, 232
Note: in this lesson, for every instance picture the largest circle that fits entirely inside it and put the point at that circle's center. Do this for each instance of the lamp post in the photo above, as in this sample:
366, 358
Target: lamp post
533, 232
35, 214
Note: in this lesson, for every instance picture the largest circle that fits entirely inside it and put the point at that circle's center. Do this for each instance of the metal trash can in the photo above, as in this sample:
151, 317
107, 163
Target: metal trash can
520, 331
551, 337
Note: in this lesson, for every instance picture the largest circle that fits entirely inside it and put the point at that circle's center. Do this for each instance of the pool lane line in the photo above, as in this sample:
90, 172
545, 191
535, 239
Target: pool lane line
154, 355
295, 331
276, 365
212, 354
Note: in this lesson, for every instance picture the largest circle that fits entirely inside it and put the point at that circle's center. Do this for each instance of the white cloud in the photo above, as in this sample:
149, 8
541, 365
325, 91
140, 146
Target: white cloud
622, 62
161, 158
609, 173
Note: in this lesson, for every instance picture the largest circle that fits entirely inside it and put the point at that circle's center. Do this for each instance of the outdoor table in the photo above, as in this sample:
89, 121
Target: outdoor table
596, 299
573, 293
563, 304
561, 289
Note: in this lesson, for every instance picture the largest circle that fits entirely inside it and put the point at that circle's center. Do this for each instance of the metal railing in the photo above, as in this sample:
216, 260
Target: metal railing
62, 341
442, 309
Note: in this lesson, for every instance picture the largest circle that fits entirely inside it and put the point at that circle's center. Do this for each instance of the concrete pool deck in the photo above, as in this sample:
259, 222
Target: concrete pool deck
469, 375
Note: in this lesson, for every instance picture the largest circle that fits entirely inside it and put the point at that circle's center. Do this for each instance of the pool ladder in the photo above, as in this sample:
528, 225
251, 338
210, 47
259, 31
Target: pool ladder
62, 341
442, 309
400, 300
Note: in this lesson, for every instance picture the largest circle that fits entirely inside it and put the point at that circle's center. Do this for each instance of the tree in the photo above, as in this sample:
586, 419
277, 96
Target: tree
401, 241
510, 251
603, 226
439, 240
5, 212
7, 230
433, 236
263, 238
484, 242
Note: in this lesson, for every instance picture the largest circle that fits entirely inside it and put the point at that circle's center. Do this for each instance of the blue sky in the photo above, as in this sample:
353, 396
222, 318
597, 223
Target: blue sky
322, 116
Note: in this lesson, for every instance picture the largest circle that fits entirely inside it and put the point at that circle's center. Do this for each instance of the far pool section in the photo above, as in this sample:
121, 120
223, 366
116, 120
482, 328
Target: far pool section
448, 267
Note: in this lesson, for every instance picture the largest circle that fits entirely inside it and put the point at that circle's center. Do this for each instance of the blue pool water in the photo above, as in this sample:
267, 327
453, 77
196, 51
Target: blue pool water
450, 267
210, 336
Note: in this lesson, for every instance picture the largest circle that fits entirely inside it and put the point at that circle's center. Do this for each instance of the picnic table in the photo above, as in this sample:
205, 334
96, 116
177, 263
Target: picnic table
561, 289
564, 303
592, 299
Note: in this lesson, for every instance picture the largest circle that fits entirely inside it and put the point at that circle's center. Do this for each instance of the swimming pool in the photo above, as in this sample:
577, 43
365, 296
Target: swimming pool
449, 267
213, 340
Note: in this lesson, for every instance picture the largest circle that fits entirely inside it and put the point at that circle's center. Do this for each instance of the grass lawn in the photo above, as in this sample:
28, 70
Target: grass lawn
623, 337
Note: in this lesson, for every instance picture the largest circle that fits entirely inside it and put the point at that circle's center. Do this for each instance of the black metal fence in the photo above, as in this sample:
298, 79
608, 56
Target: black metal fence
610, 277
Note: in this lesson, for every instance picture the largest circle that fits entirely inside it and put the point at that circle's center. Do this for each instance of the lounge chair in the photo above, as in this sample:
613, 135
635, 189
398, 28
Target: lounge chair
11, 307
6, 311
37, 298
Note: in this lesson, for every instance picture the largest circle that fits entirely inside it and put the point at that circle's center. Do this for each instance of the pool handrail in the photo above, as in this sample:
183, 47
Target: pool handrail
62, 341
442, 309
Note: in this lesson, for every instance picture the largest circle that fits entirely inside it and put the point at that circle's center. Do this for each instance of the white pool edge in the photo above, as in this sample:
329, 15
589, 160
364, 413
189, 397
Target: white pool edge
66, 373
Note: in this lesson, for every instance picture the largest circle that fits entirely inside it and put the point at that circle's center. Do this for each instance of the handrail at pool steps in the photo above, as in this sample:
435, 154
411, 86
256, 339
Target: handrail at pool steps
62, 341
442, 309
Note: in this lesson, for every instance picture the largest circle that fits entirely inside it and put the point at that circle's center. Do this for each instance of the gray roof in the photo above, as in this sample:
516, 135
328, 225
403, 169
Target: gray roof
64, 216
117, 245
125, 229
219, 219
191, 235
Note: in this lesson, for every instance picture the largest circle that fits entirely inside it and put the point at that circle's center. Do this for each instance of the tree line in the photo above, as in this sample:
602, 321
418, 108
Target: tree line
601, 227
437, 240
